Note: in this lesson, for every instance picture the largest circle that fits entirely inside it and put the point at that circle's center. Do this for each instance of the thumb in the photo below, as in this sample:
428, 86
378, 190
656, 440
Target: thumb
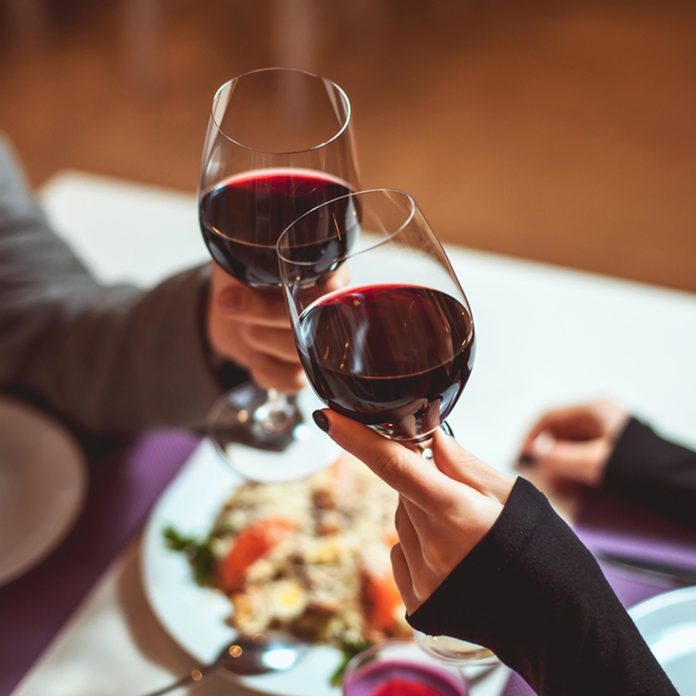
460, 465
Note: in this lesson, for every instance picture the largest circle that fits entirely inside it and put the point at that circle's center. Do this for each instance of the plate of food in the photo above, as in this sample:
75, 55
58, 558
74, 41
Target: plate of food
222, 556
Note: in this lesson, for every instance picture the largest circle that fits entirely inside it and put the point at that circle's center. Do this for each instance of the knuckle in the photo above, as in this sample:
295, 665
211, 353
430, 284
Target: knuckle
396, 555
421, 590
436, 560
252, 333
390, 468
399, 521
234, 299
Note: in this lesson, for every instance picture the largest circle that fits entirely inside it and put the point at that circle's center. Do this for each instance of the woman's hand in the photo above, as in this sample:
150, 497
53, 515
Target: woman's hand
446, 506
574, 443
252, 328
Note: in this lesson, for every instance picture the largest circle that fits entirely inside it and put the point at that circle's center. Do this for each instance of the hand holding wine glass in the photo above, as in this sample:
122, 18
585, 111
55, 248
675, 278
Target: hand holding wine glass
252, 329
444, 510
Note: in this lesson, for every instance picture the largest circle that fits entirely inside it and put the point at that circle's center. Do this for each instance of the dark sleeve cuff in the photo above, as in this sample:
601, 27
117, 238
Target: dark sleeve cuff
497, 596
532, 593
654, 473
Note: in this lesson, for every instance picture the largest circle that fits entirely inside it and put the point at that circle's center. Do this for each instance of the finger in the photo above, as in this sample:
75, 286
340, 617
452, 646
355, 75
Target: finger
454, 461
572, 422
271, 373
338, 279
279, 343
429, 548
266, 307
432, 559
583, 462
399, 467
402, 577
408, 537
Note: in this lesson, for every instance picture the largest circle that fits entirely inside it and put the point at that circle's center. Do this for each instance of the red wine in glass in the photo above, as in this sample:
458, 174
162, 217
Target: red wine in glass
392, 356
243, 216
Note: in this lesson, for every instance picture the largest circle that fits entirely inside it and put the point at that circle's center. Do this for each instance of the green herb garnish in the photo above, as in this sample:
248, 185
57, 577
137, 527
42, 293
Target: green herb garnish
350, 648
199, 553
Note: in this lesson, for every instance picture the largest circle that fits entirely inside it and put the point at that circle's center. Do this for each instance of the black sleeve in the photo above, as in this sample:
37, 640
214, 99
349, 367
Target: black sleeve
653, 473
532, 593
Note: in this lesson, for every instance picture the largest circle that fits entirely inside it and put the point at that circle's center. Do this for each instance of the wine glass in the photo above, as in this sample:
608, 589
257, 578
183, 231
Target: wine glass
394, 347
397, 666
278, 143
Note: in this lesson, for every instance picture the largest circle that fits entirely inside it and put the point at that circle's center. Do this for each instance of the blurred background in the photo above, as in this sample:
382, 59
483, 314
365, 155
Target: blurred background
556, 130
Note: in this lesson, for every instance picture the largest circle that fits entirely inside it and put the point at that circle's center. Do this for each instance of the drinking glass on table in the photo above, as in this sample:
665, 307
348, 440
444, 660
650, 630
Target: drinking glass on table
399, 668
393, 348
278, 144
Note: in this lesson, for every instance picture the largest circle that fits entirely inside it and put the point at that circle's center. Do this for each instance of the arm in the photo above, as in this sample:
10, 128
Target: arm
655, 473
599, 444
110, 359
483, 560
533, 593
118, 359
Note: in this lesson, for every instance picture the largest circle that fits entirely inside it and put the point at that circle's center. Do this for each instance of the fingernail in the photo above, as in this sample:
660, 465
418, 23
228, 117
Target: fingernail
322, 421
231, 301
543, 444
526, 460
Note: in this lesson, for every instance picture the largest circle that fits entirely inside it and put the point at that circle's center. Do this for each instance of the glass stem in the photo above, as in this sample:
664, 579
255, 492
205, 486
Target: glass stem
277, 414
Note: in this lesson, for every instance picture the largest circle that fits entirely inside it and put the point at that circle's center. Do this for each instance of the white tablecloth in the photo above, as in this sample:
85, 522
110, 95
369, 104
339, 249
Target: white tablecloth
545, 336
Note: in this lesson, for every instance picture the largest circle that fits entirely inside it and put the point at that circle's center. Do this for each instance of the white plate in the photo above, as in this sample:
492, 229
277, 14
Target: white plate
43, 483
196, 617
668, 624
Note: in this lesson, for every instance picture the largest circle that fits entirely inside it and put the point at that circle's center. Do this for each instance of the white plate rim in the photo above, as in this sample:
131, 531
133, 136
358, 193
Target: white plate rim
69, 455
646, 612
661, 601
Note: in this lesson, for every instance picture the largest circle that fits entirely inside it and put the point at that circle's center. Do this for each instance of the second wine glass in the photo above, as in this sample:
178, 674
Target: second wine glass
278, 144
394, 347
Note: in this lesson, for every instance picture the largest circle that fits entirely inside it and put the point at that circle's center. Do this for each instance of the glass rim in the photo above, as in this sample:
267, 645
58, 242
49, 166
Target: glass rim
284, 260
355, 663
375, 648
279, 69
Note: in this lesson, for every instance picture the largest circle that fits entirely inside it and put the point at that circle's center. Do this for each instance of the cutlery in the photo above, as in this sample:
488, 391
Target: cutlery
273, 651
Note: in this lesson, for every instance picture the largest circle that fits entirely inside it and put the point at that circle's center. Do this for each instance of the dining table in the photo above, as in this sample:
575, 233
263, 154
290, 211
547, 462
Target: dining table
83, 621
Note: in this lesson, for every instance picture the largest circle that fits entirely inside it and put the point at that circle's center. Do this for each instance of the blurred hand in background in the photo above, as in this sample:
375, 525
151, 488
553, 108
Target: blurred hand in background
574, 443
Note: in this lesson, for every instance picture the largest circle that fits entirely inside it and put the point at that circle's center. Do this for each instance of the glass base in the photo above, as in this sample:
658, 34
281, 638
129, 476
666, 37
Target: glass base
268, 441
453, 650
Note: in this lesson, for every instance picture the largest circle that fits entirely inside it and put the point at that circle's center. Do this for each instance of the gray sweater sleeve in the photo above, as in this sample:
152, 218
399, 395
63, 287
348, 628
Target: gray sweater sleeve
110, 359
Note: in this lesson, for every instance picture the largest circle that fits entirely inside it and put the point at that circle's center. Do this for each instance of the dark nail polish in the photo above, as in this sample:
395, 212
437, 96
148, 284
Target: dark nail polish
321, 420
526, 460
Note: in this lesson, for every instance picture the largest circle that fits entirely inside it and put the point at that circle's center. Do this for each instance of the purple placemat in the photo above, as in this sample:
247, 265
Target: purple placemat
122, 490
611, 526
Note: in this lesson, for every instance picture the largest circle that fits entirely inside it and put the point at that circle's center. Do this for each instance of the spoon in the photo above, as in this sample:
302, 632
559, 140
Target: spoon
274, 651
